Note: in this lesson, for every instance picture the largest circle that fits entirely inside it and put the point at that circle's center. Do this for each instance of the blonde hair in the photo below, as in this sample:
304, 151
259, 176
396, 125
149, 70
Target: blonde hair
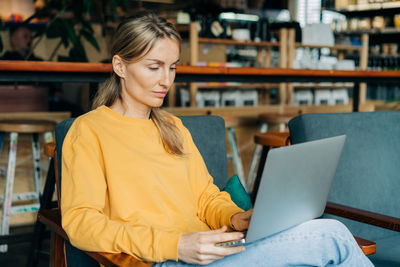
133, 39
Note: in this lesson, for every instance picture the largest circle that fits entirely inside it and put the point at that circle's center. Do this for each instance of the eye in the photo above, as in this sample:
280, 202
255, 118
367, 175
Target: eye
153, 68
173, 68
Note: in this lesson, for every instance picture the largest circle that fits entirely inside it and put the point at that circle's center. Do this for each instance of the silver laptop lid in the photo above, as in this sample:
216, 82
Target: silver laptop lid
294, 186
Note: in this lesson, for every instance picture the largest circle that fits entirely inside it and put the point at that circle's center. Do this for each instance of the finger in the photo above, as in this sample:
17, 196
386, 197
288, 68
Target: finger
214, 252
223, 229
226, 251
208, 258
224, 237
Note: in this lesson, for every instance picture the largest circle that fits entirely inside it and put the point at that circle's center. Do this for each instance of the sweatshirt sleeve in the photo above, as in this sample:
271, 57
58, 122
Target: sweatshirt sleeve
215, 208
84, 194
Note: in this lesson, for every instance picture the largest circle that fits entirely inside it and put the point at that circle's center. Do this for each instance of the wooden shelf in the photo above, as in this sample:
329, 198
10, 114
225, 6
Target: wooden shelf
371, 7
24, 67
234, 42
322, 86
243, 85
337, 47
390, 30
255, 111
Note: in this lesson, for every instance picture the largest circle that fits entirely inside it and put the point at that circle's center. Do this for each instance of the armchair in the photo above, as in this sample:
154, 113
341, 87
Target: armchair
367, 181
208, 133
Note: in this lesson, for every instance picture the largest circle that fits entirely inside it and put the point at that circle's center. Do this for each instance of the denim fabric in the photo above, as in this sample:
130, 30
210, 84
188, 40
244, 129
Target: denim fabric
321, 242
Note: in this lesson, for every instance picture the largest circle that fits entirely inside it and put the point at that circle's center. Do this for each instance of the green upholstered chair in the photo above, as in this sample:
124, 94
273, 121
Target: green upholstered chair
208, 134
368, 175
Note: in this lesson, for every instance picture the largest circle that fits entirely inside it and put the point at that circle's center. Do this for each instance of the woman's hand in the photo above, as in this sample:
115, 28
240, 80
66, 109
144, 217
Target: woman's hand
240, 221
200, 248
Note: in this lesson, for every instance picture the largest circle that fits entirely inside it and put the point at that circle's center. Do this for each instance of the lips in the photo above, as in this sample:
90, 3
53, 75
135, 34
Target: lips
161, 93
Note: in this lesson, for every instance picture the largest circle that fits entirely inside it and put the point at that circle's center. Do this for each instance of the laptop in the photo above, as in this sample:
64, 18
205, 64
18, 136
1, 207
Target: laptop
294, 186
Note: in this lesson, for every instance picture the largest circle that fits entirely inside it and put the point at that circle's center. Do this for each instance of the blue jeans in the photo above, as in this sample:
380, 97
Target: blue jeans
321, 242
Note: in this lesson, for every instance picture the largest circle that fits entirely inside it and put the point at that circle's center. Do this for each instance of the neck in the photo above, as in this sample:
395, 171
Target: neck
127, 110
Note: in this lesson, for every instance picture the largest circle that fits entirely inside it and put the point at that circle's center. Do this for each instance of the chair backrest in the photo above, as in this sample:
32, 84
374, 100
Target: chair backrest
368, 175
208, 133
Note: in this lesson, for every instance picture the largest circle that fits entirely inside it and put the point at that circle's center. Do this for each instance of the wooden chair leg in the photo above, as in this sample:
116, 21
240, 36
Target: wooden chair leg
57, 258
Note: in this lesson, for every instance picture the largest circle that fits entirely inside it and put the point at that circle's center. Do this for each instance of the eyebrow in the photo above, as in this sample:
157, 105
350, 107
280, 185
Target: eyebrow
162, 62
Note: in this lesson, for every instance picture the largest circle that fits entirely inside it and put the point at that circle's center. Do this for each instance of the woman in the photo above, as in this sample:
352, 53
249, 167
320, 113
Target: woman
134, 182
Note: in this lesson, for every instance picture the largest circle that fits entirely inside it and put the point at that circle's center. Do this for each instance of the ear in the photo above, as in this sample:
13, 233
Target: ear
119, 66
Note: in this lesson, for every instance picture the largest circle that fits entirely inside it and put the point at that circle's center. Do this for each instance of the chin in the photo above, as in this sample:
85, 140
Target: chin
156, 104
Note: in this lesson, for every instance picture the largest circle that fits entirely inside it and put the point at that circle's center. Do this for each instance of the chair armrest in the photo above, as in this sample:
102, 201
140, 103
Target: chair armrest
50, 149
52, 218
364, 216
272, 139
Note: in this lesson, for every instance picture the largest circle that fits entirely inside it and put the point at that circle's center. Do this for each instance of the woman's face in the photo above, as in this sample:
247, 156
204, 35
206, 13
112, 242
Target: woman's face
145, 83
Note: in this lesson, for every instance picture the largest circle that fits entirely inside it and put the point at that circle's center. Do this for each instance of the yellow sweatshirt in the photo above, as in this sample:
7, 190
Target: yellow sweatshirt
122, 192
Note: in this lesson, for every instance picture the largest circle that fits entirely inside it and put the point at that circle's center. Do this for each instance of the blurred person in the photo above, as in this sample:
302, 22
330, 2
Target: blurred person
20, 41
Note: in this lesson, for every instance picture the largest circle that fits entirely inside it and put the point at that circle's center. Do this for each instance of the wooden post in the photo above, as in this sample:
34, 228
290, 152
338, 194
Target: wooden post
291, 58
364, 66
268, 57
283, 63
261, 56
194, 58
283, 48
194, 44
172, 96
193, 92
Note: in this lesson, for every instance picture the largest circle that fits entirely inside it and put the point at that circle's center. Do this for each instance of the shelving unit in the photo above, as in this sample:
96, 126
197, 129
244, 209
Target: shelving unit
363, 55
381, 37
287, 52
263, 58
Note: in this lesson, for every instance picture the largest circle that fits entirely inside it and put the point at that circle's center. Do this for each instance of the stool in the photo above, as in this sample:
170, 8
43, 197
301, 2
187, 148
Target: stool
267, 120
230, 124
15, 127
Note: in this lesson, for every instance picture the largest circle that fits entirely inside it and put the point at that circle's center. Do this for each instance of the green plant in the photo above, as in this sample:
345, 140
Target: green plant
1, 40
71, 22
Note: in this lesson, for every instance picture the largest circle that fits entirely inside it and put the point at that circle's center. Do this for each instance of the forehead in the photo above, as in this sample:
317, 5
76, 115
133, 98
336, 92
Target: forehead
164, 49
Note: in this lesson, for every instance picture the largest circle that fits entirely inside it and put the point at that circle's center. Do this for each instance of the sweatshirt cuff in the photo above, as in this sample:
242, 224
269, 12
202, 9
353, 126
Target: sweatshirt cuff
229, 212
168, 246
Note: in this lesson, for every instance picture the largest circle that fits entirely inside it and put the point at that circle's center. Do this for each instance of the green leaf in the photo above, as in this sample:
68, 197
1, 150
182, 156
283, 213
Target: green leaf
57, 29
1, 44
87, 26
69, 26
90, 38
122, 3
1, 40
87, 5
64, 29
78, 53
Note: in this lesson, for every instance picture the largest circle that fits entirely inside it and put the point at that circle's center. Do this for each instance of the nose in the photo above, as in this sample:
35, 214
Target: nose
167, 78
